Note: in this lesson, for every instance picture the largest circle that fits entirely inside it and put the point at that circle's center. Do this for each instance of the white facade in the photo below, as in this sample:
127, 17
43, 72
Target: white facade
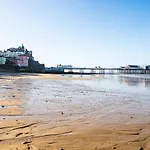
1, 53
8, 54
11, 54
19, 53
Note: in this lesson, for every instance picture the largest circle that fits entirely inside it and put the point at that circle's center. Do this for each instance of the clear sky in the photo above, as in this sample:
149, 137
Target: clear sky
109, 33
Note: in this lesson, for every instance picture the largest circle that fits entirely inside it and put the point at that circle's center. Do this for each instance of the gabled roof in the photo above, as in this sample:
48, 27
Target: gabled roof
134, 66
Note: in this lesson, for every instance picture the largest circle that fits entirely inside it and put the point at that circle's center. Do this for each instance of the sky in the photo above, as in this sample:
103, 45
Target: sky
83, 33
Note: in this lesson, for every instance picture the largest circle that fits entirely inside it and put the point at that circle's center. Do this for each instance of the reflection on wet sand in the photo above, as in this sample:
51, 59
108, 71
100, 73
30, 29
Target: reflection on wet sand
73, 112
133, 81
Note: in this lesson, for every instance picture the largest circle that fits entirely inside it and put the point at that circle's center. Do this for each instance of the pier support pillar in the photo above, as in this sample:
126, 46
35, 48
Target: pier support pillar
81, 71
93, 71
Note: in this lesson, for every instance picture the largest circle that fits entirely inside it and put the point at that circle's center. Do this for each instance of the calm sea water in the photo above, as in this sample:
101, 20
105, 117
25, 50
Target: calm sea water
122, 83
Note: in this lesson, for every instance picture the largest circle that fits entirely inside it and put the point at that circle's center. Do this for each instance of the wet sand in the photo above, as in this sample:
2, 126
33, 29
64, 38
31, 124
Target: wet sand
52, 112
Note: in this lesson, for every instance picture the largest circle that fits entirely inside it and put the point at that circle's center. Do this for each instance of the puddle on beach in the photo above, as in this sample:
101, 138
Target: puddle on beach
97, 97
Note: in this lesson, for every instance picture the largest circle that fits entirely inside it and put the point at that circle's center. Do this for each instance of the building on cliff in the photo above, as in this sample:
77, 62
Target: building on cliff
22, 58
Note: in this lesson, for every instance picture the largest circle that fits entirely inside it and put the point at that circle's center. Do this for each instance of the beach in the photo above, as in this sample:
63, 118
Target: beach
64, 112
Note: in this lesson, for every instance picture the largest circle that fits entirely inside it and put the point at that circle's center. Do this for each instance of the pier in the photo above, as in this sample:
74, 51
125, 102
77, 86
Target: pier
104, 71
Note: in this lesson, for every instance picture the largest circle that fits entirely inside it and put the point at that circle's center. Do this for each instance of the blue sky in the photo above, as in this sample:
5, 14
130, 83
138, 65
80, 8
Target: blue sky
107, 33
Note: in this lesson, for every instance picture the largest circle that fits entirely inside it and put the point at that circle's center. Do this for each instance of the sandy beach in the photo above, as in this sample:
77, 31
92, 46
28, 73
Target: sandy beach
55, 112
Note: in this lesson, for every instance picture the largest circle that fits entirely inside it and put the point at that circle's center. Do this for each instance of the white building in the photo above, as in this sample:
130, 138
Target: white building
133, 67
2, 60
64, 66
11, 54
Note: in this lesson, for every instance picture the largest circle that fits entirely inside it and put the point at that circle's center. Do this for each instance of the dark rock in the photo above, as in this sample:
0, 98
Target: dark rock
27, 133
137, 134
27, 142
29, 147
18, 134
141, 148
